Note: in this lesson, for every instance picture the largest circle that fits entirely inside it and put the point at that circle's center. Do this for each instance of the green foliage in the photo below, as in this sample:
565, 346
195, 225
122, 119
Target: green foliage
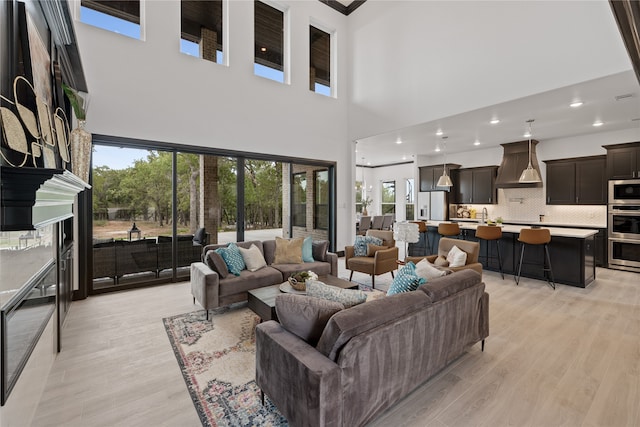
77, 102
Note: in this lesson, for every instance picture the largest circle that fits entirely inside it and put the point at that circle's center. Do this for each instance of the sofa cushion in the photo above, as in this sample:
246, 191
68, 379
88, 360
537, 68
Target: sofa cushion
307, 249
288, 251
372, 249
456, 257
253, 258
349, 323
429, 271
318, 267
445, 286
347, 297
441, 261
232, 257
360, 245
248, 280
319, 250
406, 280
305, 316
216, 263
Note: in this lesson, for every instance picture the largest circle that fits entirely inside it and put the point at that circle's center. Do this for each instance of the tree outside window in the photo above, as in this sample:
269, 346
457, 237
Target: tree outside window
299, 208
388, 198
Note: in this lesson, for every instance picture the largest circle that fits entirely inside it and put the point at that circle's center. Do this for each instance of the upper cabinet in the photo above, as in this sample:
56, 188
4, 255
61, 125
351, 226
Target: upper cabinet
623, 161
577, 181
429, 176
475, 185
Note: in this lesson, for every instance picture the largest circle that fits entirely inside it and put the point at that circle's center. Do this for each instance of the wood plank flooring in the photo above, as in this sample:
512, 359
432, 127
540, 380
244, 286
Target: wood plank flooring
565, 357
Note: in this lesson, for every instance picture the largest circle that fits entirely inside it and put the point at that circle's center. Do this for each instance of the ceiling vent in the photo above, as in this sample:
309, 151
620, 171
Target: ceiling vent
625, 96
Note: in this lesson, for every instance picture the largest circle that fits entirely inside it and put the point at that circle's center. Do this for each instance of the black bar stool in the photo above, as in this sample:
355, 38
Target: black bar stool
537, 236
491, 233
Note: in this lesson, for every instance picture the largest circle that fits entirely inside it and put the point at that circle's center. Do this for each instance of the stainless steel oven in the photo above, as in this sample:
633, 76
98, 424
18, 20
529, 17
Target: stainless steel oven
624, 254
624, 222
624, 191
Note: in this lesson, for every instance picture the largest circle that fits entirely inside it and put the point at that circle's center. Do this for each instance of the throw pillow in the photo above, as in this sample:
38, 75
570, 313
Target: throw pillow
305, 316
372, 249
307, 249
360, 245
406, 280
233, 258
456, 257
319, 249
215, 262
253, 258
427, 270
288, 251
441, 261
347, 297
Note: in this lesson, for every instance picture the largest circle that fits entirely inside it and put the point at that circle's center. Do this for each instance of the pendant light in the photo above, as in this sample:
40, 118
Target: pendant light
530, 175
444, 180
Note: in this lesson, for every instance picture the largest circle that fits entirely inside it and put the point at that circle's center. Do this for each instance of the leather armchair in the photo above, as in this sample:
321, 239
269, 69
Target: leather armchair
444, 246
383, 261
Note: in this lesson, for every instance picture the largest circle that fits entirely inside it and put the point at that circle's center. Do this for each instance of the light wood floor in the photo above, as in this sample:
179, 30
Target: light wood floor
565, 357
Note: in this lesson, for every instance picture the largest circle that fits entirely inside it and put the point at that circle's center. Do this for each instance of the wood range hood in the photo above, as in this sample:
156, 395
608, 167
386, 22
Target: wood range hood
515, 159
34, 197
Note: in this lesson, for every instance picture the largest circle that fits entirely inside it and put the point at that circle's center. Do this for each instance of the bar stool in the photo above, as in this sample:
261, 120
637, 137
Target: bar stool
490, 233
447, 229
537, 236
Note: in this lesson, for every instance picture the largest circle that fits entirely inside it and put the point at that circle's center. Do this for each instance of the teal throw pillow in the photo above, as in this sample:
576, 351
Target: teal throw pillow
307, 250
406, 280
360, 245
346, 297
233, 258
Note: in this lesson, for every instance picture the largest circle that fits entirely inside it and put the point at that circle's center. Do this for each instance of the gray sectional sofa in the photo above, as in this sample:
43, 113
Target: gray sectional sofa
371, 355
212, 291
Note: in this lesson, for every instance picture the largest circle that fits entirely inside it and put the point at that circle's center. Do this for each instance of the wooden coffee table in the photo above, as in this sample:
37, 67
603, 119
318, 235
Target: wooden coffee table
262, 301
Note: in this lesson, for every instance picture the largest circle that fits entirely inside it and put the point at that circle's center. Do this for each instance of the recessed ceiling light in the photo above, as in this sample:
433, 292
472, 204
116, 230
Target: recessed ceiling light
527, 134
437, 149
404, 157
477, 142
597, 123
439, 132
576, 104
494, 121
263, 49
368, 163
398, 141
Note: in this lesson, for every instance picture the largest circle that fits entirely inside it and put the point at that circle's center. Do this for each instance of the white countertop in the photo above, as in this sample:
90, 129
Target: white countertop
543, 224
578, 233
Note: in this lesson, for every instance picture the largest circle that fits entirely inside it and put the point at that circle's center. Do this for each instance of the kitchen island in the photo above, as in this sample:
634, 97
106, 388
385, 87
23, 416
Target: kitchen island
572, 251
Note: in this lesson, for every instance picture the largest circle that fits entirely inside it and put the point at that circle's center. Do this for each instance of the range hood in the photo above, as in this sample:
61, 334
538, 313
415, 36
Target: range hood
35, 197
514, 160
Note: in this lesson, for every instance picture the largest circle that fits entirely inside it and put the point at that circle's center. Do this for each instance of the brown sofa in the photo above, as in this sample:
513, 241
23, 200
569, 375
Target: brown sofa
371, 355
211, 291
472, 250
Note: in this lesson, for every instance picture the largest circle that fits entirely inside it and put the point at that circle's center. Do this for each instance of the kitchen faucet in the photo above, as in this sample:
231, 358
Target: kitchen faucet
485, 214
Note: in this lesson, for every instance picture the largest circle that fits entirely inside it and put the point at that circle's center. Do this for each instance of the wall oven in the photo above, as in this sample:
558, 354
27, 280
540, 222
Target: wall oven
624, 224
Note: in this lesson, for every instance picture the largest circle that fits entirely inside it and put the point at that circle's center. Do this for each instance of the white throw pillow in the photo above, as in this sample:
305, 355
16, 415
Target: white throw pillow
456, 257
253, 258
427, 270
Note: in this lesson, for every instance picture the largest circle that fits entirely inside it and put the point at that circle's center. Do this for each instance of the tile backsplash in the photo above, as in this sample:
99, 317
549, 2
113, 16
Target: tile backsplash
527, 204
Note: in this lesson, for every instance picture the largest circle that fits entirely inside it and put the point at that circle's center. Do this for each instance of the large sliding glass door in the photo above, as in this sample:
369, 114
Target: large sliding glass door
154, 210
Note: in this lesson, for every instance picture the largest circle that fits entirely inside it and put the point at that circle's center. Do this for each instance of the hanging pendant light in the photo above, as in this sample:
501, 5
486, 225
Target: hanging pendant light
444, 180
530, 175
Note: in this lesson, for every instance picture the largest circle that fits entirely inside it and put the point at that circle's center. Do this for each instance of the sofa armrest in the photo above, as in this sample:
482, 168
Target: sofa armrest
349, 252
473, 266
386, 260
303, 384
205, 284
332, 258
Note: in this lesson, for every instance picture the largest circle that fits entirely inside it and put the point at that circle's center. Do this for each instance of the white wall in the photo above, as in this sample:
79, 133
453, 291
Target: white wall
149, 90
418, 61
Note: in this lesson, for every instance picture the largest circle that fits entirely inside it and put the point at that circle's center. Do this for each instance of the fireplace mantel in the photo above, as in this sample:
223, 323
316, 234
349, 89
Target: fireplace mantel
34, 197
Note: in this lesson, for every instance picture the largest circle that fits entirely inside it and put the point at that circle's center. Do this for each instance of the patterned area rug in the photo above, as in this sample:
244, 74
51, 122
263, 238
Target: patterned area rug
217, 360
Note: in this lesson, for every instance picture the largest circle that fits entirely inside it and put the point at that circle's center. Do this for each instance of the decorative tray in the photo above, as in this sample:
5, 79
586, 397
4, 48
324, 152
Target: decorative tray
286, 287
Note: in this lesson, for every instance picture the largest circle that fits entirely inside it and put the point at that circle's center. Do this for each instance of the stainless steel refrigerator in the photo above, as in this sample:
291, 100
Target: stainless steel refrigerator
433, 205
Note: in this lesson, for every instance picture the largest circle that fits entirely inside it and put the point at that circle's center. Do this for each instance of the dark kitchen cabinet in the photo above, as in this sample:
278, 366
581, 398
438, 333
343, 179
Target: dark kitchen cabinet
623, 161
577, 181
429, 176
475, 185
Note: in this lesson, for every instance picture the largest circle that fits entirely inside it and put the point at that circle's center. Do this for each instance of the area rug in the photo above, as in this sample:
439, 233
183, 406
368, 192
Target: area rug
217, 360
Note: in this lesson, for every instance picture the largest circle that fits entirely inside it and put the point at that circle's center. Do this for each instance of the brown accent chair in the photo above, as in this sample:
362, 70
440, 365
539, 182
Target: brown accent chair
471, 248
381, 262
